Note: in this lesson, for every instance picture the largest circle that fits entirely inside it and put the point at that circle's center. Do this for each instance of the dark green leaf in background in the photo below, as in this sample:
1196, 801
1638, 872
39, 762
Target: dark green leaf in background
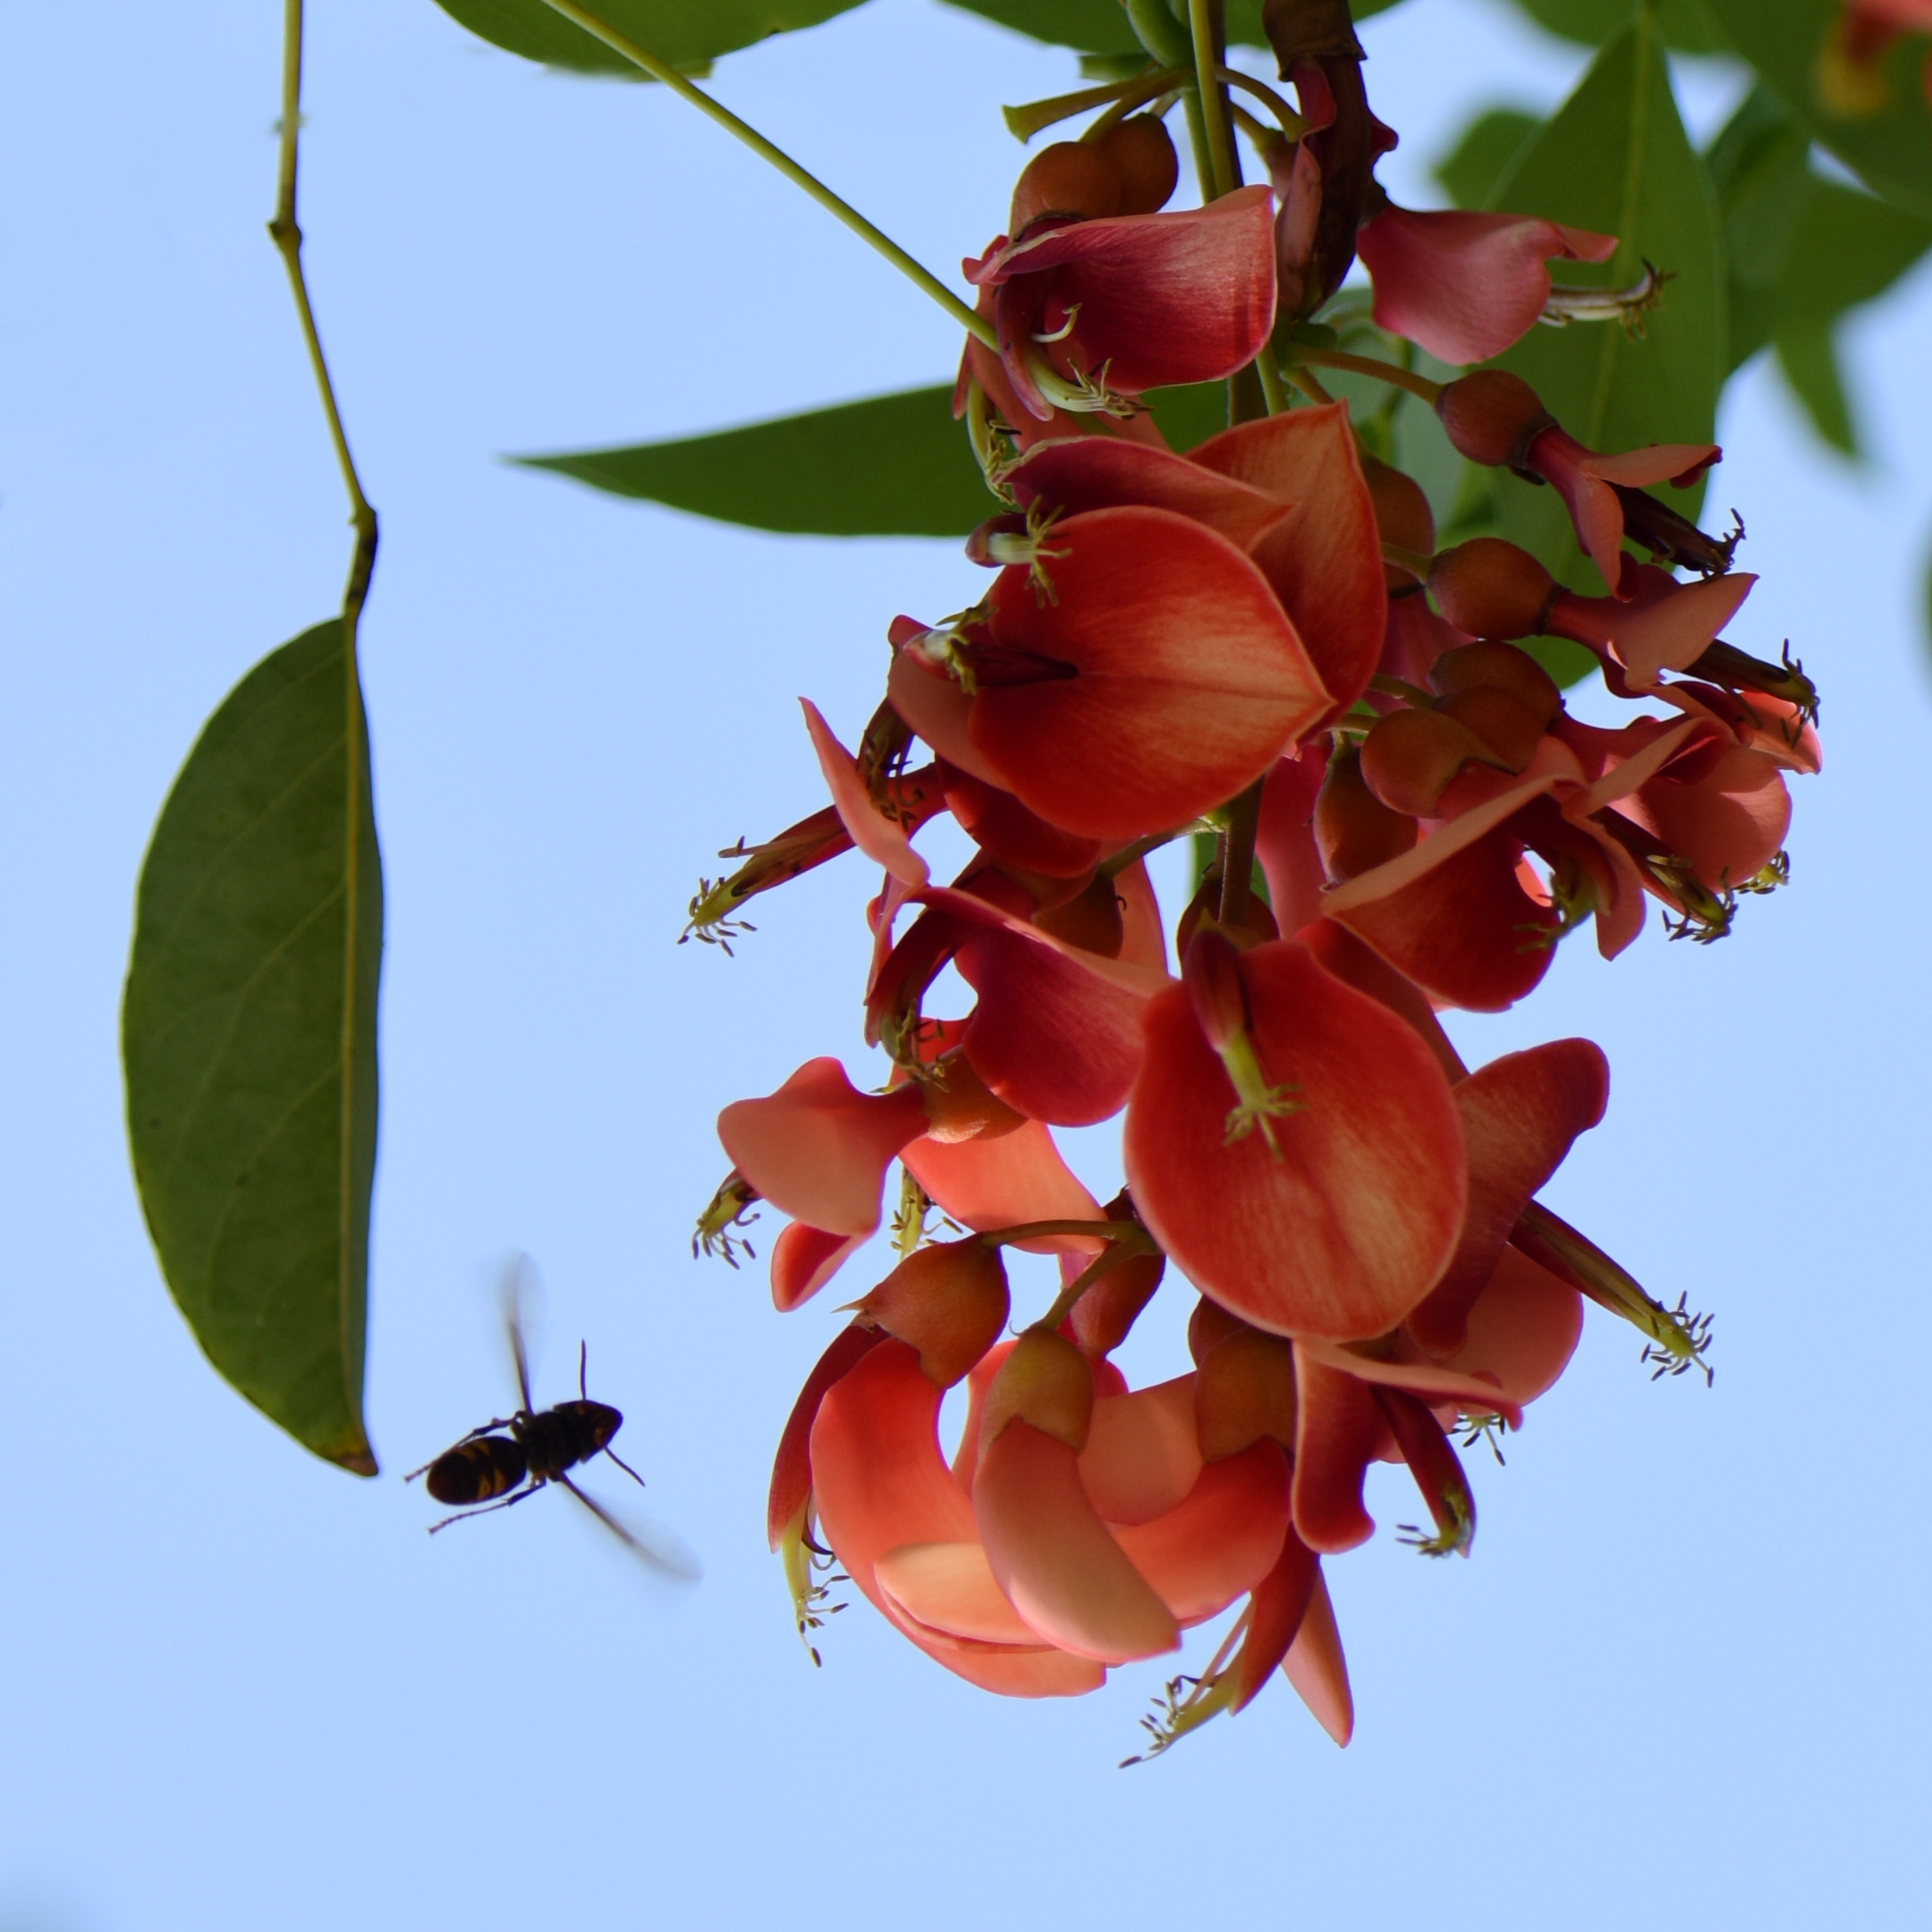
686, 33
889, 466
1483, 156
1616, 158
1684, 24
1890, 150
248, 1041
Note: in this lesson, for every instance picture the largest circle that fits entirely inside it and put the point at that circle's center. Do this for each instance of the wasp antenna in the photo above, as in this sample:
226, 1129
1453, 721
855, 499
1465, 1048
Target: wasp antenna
583, 1369
625, 1467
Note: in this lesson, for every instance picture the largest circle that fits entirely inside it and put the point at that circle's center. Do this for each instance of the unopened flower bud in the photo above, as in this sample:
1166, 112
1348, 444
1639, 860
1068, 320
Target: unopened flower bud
1409, 759
1103, 1316
1492, 589
1143, 153
1403, 514
1244, 1391
1504, 723
1046, 1382
1210, 1325
948, 1301
1354, 830
1499, 667
1210, 968
1074, 179
1493, 417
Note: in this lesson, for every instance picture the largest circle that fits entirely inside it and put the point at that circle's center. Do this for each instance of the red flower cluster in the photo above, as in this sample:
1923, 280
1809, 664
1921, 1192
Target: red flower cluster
1255, 637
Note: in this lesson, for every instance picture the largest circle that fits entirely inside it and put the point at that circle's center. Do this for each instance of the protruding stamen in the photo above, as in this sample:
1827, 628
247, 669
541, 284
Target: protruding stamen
1625, 306
1079, 393
1063, 331
805, 1561
729, 1209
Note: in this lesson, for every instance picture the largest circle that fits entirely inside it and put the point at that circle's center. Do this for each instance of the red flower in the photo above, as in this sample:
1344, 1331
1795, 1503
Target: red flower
1090, 311
1465, 285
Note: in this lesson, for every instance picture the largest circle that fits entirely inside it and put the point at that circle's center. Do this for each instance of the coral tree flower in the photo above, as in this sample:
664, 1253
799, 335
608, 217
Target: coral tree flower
1465, 285
1089, 310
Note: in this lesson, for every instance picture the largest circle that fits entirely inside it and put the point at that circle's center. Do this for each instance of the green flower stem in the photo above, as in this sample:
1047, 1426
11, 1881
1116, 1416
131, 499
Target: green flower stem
647, 62
1025, 121
1224, 167
1388, 372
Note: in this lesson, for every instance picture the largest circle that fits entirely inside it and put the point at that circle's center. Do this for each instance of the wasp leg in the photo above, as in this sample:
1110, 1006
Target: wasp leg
515, 1496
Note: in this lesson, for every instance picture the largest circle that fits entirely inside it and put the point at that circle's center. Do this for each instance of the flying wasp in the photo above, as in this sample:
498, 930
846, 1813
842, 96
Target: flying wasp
512, 1457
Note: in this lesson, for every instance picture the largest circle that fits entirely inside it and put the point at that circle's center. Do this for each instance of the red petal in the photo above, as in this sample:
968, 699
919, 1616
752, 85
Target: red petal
1141, 1457
792, 1478
1281, 1600
1284, 841
1523, 1329
1222, 1540
818, 1148
804, 1258
950, 1587
1002, 828
1005, 1181
1354, 962
1046, 1036
1325, 557
1434, 1383
1350, 1228
877, 837
1520, 1114
1339, 1431
1180, 297
1187, 681
1463, 285
1072, 475
1729, 823
1318, 1671
932, 707
1054, 1557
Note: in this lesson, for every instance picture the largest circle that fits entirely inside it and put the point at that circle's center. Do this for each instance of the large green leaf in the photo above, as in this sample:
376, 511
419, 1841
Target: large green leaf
1616, 158
1684, 23
1890, 146
889, 466
249, 1040
685, 33
1483, 153
1100, 26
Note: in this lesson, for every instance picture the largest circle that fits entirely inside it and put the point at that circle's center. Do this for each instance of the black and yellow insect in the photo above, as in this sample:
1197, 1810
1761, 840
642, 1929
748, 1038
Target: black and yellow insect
512, 1457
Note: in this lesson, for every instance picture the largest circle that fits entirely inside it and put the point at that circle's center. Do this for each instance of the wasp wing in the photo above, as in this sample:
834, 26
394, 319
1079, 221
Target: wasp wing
521, 1296
663, 1549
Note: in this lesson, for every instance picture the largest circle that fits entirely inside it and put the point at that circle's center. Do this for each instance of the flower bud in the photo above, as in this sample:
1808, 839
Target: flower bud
1210, 968
1504, 723
1257, 921
1143, 153
1046, 1382
1493, 418
1071, 179
1103, 1316
1402, 511
1491, 588
1354, 830
1244, 1390
1090, 918
948, 1301
1501, 667
1209, 1326
1409, 759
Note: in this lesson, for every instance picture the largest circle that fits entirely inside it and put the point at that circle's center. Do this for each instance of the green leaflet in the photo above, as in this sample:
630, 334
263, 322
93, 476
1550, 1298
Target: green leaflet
1614, 158
1802, 251
1684, 23
686, 33
1100, 26
1890, 149
889, 466
248, 1041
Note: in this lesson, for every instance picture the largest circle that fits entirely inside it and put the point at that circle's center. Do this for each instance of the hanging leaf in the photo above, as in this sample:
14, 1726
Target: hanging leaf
1876, 122
685, 33
248, 1041
1684, 24
889, 466
1616, 159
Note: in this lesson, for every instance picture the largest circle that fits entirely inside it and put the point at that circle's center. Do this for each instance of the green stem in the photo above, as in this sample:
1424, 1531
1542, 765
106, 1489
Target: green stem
1237, 875
1110, 1231
285, 232
642, 58
1388, 372
1103, 1263
1023, 122
1223, 168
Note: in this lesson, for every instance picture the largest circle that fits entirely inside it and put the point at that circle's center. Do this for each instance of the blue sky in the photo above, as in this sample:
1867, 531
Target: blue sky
1684, 1677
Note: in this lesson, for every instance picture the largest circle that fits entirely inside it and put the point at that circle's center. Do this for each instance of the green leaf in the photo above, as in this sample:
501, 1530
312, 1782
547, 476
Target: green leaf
1807, 360
1760, 171
248, 1038
889, 466
1482, 156
1890, 145
1685, 25
1100, 26
1616, 158
684, 33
